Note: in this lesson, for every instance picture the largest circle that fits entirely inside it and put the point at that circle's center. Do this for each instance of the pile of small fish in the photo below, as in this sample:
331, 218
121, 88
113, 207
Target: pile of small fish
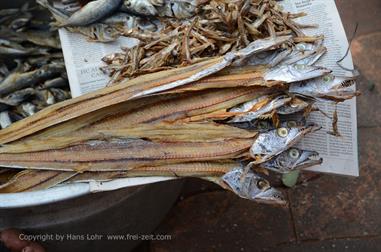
32, 71
232, 118
218, 28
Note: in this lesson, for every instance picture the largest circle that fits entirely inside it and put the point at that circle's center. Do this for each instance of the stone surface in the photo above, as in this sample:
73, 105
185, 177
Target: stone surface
365, 13
220, 221
341, 206
366, 54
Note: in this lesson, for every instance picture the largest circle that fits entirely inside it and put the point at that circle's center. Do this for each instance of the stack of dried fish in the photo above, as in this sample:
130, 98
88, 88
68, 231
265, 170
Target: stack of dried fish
226, 118
32, 71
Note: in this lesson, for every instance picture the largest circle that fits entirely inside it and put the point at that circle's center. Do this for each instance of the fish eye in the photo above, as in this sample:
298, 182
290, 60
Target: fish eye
291, 124
299, 67
261, 184
282, 132
328, 78
293, 153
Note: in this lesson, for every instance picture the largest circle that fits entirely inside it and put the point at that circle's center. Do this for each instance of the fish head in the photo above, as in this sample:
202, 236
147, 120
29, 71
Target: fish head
107, 33
184, 9
292, 159
294, 73
144, 7
269, 144
251, 186
271, 196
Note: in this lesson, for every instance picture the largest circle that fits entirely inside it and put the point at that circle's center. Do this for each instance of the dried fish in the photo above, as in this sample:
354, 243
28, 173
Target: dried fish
259, 107
252, 187
18, 81
92, 12
292, 159
337, 88
269, 144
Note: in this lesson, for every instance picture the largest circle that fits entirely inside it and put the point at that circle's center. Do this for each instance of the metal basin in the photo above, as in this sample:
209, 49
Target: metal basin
75, 212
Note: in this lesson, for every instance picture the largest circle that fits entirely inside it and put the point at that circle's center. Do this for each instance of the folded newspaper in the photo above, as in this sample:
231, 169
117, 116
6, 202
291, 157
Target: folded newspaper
83, 62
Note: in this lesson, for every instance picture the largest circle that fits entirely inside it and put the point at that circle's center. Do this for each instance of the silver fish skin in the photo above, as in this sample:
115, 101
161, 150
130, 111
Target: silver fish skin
252, 115
249, 185
272, 143
258, 46
92, 12
5, 119
305, 58
17, 81
292, 159
294, 73
338, 87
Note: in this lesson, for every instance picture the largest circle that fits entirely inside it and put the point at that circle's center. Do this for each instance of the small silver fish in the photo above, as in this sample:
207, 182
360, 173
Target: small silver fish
55, 83
249, 185
9, 48
17, 80
326, 87
292, 159
294, 73
17, 97
42, 38
92, 12
272, 143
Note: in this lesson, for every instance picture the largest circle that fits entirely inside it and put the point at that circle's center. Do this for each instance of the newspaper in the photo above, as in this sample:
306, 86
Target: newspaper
83, 60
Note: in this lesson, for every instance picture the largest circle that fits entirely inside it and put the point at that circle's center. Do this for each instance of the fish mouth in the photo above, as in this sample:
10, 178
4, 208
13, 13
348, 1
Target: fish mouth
271, 196
312, 159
